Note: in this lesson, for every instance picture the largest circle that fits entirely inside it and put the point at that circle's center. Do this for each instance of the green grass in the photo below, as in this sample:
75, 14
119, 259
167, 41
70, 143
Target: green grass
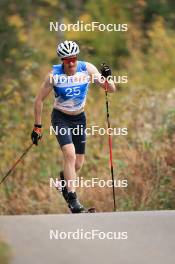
4, 253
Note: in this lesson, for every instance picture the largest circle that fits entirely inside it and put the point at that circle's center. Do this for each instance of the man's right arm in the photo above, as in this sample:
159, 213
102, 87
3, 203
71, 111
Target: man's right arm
38, 106
46, 88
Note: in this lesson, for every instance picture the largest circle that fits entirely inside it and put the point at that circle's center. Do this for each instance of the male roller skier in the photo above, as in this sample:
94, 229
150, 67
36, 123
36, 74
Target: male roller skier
70, 84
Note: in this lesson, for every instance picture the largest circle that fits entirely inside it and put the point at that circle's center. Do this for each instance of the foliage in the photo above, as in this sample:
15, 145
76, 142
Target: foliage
4, 253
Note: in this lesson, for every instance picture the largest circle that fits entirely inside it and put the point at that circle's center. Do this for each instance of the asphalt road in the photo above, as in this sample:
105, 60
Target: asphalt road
140, 238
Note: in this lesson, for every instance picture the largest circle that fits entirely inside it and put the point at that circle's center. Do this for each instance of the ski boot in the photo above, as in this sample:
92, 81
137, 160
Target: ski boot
64, 190
74, 204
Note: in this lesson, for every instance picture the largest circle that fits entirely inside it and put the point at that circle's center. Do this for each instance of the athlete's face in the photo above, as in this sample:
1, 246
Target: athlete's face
70, 65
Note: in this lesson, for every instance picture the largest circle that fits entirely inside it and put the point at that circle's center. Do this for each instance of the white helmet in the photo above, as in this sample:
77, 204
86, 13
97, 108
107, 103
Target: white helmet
67, 49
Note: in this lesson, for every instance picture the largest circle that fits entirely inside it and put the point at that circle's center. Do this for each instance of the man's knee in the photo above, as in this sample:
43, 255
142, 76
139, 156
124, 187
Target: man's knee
69, 154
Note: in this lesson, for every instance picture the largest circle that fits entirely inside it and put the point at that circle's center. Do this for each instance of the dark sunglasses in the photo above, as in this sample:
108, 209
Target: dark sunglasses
69, 60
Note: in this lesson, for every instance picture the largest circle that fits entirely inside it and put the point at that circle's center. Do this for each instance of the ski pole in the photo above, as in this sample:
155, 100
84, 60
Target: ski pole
110, 144
16, 163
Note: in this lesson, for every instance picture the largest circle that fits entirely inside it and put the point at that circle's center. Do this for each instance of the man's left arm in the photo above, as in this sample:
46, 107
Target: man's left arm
98, 78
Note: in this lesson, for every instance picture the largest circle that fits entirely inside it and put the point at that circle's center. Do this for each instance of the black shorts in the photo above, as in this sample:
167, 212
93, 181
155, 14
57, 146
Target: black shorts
70, 129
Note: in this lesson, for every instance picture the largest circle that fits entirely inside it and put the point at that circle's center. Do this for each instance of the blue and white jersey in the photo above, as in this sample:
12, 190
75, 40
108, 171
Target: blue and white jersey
70, 91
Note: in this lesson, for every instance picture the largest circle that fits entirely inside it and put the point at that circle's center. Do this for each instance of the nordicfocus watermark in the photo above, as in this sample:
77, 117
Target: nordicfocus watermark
87, 183
64, 79
89, 131
87, 27
81, 234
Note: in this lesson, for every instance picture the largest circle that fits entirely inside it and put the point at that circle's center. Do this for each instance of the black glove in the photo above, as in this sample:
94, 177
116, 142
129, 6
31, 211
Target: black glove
36, 134
105, 70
